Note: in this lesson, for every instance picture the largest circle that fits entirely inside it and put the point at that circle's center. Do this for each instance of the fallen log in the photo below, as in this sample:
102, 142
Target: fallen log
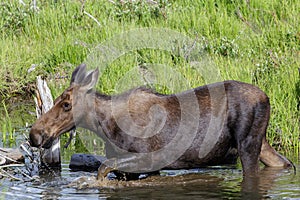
44, 102
10, 155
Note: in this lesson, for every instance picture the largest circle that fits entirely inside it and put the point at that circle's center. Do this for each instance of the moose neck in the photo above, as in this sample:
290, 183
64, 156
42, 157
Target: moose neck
97, 113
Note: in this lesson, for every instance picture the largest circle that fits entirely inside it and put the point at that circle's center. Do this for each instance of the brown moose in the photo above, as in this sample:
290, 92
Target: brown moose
146, 131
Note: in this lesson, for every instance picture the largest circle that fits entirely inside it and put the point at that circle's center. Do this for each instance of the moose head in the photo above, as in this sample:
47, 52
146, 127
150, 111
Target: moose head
68, 110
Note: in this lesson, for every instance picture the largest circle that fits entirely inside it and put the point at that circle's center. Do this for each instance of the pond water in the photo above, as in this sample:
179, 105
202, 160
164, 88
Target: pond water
218, 182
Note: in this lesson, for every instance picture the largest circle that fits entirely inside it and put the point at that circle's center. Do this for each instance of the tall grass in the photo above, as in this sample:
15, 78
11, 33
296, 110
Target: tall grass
7, 128
252, 41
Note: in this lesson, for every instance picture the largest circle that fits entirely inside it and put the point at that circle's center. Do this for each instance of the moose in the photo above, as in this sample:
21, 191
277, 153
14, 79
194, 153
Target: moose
145, 131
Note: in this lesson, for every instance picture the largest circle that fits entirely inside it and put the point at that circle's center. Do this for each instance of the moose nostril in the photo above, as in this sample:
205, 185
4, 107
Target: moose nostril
35, 139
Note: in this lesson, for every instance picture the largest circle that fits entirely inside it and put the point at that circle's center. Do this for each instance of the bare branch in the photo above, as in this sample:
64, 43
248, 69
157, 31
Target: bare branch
93, 18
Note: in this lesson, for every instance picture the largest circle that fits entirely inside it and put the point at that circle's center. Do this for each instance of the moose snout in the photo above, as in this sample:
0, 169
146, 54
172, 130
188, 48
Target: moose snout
39, 138
35, 138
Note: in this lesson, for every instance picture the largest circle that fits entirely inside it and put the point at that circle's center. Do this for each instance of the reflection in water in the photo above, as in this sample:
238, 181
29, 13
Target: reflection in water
195, 184
216, 184
257, 187
190, 186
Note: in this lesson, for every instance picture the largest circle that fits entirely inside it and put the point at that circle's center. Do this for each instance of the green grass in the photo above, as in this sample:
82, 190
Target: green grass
7, 128
256, 42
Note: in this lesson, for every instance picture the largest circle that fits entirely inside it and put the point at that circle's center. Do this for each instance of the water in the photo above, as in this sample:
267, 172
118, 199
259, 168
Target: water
219, 182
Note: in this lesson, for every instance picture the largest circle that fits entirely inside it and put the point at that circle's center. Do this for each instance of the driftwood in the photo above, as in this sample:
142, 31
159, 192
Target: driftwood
44, 101
9, 156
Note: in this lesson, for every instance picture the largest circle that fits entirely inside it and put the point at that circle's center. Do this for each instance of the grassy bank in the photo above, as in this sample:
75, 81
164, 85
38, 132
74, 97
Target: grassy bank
252, 41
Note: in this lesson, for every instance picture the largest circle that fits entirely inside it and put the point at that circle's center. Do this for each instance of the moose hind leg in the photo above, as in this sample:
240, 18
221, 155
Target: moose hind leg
249, 150
250, 135
271, 158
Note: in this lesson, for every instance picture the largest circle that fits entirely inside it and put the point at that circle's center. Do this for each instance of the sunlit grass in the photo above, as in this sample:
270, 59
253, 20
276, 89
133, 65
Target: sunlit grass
257, 42
7, 129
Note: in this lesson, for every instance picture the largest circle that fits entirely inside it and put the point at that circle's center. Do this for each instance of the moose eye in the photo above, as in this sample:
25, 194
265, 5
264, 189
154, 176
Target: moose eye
66, 106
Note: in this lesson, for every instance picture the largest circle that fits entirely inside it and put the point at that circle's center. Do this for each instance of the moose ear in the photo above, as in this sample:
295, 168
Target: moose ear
78, 74
91, 80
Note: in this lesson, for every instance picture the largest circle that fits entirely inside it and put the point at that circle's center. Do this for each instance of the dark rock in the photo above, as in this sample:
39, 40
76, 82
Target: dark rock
86, 162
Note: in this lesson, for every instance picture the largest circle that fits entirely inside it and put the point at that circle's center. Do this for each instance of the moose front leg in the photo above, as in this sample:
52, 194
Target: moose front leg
113, 165
126, 164
103, 171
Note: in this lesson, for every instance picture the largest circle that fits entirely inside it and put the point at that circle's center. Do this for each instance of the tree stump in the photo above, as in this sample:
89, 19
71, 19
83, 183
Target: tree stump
44, 102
